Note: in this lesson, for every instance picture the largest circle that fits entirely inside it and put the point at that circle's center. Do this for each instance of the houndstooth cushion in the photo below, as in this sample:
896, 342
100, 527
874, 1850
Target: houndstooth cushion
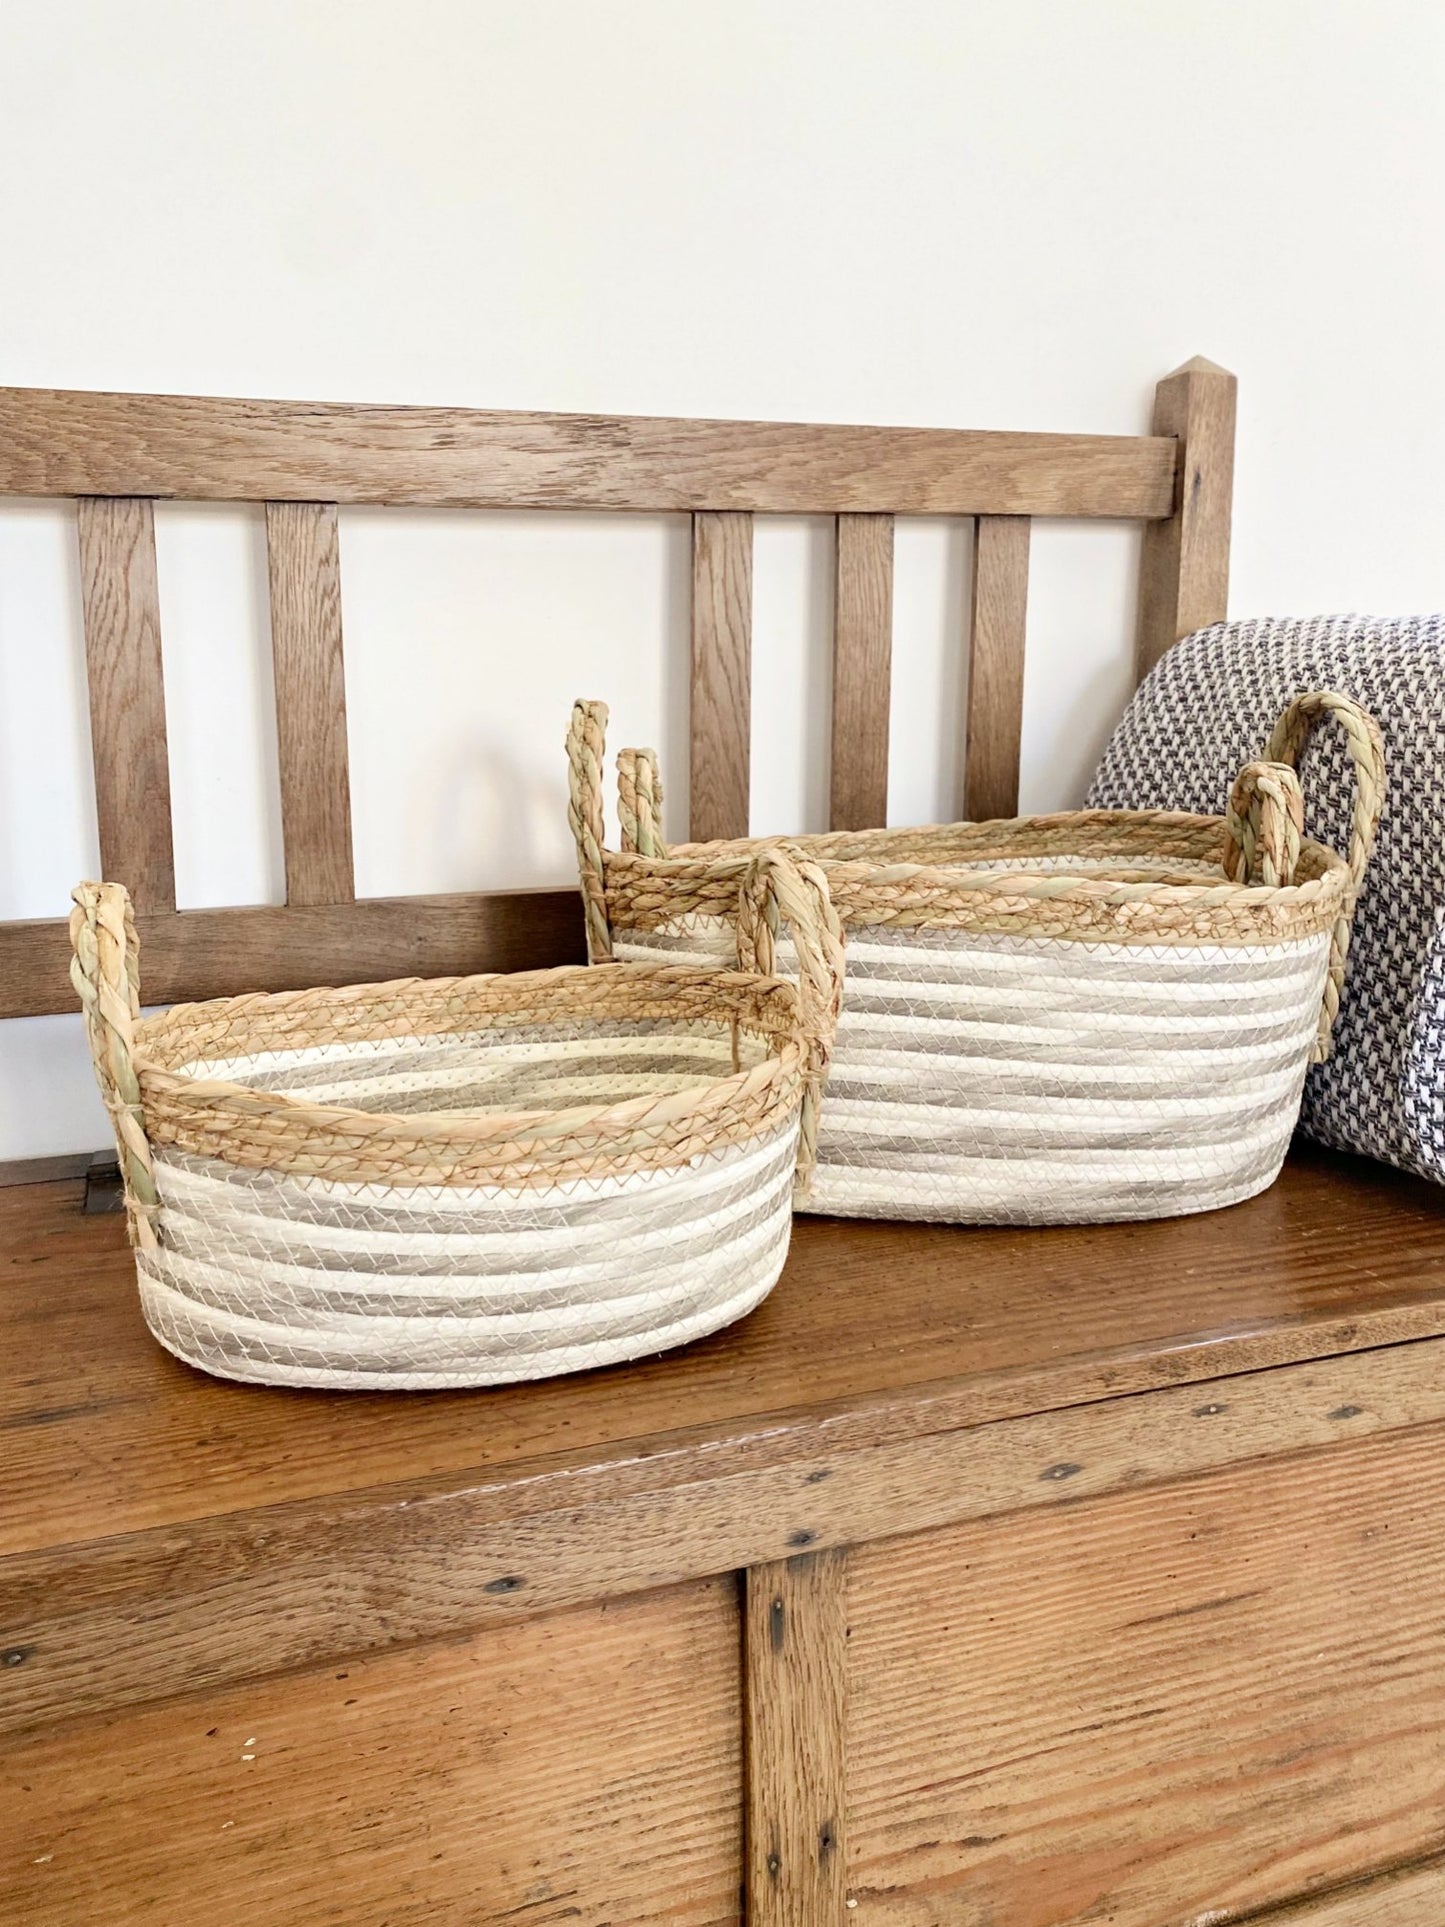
1206, 709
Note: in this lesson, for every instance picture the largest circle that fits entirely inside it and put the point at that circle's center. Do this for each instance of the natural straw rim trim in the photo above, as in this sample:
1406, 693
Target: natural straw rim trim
174, 1107
645, 894
422, 1007
705, 869
748, 1004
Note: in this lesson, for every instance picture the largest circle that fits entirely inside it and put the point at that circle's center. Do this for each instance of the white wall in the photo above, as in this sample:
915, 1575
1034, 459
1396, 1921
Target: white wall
1016, 213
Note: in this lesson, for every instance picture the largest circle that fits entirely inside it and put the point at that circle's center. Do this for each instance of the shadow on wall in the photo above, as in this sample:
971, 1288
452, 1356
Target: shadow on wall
485, 805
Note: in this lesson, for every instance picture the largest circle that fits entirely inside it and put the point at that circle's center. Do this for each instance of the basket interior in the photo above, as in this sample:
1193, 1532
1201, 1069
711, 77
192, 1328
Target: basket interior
1123, 846
539, 1041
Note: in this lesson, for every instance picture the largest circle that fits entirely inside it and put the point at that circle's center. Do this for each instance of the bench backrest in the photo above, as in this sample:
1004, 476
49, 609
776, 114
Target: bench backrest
117, 454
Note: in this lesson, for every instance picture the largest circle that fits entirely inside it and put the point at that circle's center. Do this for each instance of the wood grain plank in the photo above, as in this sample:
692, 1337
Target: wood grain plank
127, 697
1184, 568
722, 641
1404, 1897
862, 651
1179, 1705
304, 558
69, 442
582, 1769
794, 1720
232, 1597
194, 954
996, 667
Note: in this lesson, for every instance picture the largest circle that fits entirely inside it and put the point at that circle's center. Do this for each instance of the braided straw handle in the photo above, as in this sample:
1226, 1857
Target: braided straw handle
1264, 825
639, 809
1367, 753
639, 802
780, 886
105, 970
586, 748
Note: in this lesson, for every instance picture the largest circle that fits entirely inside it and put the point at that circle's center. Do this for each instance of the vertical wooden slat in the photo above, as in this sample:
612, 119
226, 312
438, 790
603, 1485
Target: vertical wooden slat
722, 641
996, 667
127, 697
862, 648
305, 569
1184, 572
795, 1633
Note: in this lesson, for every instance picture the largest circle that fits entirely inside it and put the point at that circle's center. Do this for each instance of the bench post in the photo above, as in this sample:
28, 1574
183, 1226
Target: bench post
1184, 572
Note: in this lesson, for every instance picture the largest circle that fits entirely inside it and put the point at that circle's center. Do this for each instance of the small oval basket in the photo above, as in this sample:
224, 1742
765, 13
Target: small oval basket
1054, 1019
469, 1181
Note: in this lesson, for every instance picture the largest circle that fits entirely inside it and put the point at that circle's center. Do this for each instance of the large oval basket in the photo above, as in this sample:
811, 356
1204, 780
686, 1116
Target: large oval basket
1089, 1016
467, 1181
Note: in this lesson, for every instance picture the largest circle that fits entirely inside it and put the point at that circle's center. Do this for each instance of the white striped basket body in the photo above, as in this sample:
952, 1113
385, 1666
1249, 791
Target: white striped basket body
286, 1280
993, 1079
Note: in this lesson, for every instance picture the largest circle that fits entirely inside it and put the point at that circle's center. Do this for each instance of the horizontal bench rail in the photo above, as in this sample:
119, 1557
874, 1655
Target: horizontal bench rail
202, 448
188, 955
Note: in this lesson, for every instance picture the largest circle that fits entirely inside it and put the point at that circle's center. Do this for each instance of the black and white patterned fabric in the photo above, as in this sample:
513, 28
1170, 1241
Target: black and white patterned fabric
1205, 710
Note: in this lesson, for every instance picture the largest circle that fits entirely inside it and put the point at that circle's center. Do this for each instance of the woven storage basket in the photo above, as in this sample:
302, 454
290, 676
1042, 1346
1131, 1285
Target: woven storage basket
1055, 1019
468, 1181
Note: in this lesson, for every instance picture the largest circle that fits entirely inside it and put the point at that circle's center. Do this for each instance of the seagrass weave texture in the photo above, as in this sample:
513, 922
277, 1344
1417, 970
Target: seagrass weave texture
470, 1180
1091, 1015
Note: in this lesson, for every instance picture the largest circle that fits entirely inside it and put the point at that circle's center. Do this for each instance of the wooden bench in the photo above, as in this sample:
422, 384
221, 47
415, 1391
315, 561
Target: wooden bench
1002, 1578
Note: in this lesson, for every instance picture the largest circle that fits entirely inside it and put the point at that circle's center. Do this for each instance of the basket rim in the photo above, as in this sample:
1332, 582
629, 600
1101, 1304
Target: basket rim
1130, 900
783, 1064
856, 857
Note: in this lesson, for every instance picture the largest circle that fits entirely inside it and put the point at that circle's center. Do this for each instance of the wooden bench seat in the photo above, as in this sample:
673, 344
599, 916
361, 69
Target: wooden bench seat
874, 1330
1232, 1418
